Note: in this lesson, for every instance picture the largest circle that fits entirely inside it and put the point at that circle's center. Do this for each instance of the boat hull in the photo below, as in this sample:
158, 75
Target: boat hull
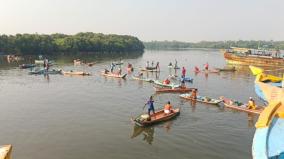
201, 99
158, 117
253, 60
173, 90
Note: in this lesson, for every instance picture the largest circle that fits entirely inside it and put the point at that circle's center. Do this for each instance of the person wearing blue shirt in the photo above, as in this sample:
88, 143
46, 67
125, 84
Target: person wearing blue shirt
150, 104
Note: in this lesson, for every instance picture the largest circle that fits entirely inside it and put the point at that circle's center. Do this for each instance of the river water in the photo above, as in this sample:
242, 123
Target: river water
63, 117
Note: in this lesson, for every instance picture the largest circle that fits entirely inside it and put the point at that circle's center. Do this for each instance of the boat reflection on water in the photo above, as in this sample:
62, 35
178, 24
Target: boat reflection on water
46, 77
152, 75
251, 120
148, 132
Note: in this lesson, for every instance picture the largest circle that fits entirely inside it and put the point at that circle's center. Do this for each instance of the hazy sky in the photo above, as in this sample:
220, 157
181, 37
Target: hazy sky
183, 20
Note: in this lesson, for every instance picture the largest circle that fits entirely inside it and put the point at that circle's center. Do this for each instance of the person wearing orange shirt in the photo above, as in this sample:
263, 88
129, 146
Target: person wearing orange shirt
168, 108
167, 81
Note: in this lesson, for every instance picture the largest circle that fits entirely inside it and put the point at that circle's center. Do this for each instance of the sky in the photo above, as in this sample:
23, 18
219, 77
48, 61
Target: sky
181, 20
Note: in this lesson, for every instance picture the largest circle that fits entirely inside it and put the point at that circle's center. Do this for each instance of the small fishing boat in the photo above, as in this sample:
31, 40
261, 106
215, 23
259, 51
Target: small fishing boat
118, 63
113, 75
40, 62
172, 90
43, 71
147, 70
227, 69
171, 85
159, 116
236, 105
201, 99
207, 71
24, 66
90, 64
75, 73
5, 151
176, 67
142, 79
187, 79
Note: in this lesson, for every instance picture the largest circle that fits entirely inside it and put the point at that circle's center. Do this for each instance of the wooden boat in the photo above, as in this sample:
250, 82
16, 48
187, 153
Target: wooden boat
5, 151
113, 75
257, 60
232, 104
24, 66
201, 99
159, 116
187, 79
41, 72
150, 69
75, 73
227, 69
172, 90
90, 64
269, 135
118, 63
171, 85
207, 71
142, 79
146, 70
40, 62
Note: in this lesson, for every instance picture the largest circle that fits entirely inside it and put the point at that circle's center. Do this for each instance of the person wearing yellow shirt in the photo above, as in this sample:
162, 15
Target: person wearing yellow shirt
251, 103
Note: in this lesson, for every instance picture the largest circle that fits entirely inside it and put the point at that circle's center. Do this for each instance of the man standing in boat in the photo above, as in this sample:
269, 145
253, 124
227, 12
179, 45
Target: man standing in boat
206, 66
150, 104
183, 72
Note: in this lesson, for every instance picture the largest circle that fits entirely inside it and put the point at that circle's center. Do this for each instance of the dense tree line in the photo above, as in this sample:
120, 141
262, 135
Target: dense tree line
214, 44
34, 44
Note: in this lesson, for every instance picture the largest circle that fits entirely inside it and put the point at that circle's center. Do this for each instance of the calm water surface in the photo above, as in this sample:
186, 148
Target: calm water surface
64, 117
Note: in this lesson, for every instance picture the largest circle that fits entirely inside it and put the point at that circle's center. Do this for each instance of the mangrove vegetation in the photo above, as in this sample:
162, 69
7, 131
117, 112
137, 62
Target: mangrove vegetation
88, 42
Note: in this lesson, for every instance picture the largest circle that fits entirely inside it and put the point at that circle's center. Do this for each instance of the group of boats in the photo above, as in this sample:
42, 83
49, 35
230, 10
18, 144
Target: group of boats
38, 70
268, 141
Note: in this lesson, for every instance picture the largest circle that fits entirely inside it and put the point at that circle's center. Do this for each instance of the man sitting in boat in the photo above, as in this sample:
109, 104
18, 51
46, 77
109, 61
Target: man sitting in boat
106, 71
140, 74
167, 81
193, 94
251, 104
196, 69
168, 108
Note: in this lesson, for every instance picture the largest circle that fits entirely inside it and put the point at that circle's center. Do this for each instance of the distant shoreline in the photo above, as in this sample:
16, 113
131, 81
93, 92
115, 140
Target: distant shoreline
162, 45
